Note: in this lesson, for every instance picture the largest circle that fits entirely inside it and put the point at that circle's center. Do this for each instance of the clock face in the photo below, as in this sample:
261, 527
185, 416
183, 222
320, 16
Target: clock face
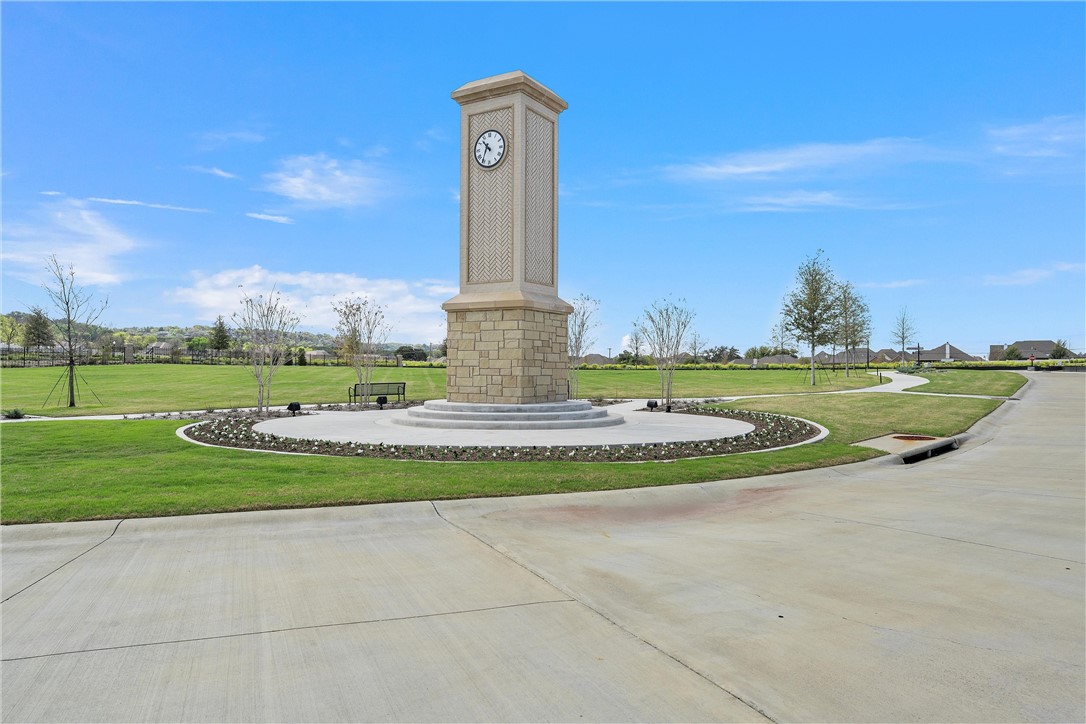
489, 149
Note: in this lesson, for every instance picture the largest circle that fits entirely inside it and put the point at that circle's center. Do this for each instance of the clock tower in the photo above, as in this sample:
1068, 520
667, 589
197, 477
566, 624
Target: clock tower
507, 327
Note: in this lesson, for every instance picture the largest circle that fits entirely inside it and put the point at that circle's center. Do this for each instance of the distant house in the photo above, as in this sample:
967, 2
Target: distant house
887, 355
595, 359
945, 352
852, 356
317, 356
1039, 348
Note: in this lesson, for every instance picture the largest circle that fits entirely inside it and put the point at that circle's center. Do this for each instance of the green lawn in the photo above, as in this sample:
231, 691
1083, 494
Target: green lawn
169, 388
69, 470
715, 383
999, 383
125, 389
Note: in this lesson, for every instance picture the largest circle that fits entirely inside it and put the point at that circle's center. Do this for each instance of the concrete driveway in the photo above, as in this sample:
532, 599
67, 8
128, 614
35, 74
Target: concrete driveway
948, 590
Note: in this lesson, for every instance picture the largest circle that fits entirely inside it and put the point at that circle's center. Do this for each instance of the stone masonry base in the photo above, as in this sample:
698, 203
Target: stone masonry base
507, 356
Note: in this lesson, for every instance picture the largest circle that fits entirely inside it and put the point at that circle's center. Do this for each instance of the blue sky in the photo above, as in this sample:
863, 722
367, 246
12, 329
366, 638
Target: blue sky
180, 154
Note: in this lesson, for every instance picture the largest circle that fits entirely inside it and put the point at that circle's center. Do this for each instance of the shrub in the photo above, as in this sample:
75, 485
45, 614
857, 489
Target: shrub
15, 414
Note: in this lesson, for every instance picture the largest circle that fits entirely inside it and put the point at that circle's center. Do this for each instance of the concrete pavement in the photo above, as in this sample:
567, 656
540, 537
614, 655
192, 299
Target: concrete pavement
948, 590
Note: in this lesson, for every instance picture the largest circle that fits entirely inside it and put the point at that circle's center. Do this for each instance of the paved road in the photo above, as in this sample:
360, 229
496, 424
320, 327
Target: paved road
952, 589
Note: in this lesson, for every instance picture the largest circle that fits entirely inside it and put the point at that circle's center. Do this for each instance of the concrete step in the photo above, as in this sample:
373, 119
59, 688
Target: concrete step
574, 414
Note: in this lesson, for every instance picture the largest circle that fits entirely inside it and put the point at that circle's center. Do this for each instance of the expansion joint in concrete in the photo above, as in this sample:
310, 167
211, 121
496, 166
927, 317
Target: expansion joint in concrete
940, 537
574, 599
291, 629
72, 560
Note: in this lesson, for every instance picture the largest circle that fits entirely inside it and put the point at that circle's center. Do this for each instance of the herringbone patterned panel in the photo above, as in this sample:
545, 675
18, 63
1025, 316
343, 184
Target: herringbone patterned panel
539, 201
490, 206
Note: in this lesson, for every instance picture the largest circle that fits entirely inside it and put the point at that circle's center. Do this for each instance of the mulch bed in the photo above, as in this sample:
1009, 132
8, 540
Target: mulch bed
770, 431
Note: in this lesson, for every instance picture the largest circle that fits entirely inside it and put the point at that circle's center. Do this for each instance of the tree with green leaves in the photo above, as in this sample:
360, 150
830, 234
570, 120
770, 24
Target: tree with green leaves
219, 339
853, 320
722, 354
38, 330
811, 309
1060, 350
10, 330
1012, 353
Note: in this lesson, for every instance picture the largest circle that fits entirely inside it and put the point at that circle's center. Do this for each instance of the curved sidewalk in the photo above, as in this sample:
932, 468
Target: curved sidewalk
948, 590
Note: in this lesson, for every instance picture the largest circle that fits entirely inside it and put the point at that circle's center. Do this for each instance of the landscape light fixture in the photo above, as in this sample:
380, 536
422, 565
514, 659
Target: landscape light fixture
652, 405
382, 401
294, 408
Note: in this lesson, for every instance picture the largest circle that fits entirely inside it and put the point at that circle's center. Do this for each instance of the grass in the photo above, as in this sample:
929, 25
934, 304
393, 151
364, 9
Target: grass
127, 389
715, 383
971, 382
66, 470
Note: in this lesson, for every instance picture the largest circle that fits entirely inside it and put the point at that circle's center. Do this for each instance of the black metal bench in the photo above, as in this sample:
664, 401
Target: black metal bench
398, 389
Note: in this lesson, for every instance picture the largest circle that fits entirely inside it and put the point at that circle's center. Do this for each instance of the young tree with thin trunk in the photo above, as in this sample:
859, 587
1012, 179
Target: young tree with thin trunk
636, 343
580, 324
696, 342
265, 325
853, 322
904, 331
361, 333
78, 313
664, 328
781, 339
810, 309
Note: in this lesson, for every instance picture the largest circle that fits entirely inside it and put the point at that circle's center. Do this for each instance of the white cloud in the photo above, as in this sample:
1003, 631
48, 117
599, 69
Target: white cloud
1025, 277
271, 217
896, 284
413, 307
216, 139
128, 202
78, 235
1052, 137
798, 201
213, 171
51, 193
325, 182
804, 159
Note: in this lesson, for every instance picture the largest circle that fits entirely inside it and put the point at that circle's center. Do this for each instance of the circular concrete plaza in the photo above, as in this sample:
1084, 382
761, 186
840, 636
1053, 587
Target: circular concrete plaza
380, 426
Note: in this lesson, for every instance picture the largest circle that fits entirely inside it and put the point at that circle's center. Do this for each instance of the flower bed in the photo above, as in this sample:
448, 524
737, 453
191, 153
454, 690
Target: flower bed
770, 431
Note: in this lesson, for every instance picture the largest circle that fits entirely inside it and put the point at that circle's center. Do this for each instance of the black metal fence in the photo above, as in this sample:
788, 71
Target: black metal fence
116, 355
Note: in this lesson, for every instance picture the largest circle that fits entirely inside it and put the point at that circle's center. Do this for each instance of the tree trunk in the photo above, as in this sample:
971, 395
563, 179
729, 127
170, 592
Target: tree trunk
812, 365
71, 381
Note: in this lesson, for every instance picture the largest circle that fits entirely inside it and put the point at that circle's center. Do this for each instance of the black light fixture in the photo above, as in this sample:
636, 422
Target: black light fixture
652, 405
382, 401
294, 408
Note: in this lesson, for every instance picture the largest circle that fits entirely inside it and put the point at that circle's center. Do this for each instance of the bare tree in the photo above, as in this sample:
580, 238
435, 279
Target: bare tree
780, 338
580, 324
904, 331
810, 309
361, 333
853, 320
696, 341
664, 327
636, 343
265, 325
78, 312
